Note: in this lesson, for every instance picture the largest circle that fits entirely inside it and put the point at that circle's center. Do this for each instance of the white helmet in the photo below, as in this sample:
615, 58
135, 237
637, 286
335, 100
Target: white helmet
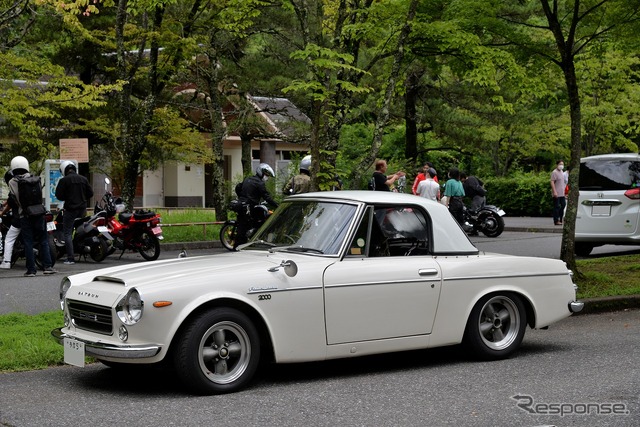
305, 163
264, 170
18, 163
66, 165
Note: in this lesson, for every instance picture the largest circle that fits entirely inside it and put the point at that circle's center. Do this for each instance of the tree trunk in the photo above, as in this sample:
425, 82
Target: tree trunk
411, 127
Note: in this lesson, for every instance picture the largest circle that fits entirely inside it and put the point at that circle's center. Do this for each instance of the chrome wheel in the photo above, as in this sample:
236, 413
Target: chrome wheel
496, 326
225, 352
499, 323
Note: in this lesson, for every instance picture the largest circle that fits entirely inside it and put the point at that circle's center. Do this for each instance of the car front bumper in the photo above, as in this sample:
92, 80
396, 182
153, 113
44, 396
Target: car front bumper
112, 351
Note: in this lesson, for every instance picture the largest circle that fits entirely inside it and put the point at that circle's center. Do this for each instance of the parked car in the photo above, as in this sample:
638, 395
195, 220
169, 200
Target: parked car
609, 202
329, 275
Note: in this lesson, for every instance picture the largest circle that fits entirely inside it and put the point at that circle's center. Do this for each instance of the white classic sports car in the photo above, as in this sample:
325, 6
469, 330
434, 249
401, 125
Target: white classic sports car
329, 275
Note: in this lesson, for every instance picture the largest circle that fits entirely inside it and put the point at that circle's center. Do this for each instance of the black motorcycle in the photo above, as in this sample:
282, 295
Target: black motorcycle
18, 247
90, 236
258, 215
487, 220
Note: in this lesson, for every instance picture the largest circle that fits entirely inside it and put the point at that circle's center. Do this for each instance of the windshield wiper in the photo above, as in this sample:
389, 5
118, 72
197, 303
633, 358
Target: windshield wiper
257, 242
296, 249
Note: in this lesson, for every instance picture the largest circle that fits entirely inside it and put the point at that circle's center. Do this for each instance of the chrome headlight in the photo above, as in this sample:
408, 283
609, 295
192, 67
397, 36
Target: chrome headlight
130, 308
64, 287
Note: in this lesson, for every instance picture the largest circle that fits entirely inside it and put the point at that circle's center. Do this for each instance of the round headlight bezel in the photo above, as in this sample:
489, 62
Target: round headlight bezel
65, 284
130, 308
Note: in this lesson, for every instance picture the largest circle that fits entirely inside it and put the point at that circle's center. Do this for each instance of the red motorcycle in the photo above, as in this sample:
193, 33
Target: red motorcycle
138, 231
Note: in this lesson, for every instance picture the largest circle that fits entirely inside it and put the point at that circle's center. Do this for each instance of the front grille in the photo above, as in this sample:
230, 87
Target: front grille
91, 317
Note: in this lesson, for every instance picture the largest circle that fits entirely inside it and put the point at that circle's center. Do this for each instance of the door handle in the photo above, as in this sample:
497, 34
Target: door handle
428, 272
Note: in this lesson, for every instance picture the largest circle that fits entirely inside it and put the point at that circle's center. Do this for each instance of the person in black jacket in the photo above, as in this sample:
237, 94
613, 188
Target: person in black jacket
474, 189
74, 190
253, 192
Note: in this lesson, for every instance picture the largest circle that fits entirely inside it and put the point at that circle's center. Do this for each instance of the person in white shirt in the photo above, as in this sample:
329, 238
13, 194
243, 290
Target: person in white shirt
428, 188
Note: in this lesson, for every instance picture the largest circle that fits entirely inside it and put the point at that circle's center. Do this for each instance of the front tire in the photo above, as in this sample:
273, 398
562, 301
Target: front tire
218, 352
492, 224
496, 326
228, 235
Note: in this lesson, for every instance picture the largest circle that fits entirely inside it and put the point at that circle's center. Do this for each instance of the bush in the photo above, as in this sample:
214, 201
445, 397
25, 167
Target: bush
523, 195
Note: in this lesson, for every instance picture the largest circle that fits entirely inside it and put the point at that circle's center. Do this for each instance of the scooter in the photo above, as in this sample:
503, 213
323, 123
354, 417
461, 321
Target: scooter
138, 231
90, 236
18, 247
487, 220
258, 214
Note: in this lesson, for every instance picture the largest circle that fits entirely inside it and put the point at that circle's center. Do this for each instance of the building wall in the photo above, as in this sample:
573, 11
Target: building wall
183, 185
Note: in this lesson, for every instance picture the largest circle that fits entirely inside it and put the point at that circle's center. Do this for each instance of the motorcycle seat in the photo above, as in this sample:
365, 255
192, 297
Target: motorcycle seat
124, 217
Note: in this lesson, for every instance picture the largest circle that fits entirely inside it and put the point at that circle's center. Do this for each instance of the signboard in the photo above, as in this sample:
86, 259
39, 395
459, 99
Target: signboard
52, 175
77, 149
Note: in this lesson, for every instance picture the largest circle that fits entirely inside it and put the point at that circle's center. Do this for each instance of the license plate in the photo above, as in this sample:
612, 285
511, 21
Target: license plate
51, 226
74, 352
157, 230
599, 210
501, 212
103, 229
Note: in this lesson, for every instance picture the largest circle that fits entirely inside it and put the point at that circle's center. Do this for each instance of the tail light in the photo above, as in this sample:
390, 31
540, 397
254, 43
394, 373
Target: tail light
633, 193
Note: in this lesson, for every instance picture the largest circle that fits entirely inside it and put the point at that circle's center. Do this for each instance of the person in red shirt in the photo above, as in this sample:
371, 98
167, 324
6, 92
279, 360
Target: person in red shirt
421, 177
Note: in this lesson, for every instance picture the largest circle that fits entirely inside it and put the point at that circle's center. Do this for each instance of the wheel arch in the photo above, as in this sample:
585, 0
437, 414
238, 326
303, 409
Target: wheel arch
530, 311
266, 344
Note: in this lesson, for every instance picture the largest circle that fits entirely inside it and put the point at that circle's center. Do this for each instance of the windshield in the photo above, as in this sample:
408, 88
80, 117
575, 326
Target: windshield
307, 226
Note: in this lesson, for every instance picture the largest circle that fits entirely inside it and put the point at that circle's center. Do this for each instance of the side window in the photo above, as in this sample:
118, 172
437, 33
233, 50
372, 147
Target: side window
405, 230
392, 231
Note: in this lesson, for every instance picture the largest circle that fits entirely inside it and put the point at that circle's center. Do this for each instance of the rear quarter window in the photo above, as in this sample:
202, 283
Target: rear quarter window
602, 175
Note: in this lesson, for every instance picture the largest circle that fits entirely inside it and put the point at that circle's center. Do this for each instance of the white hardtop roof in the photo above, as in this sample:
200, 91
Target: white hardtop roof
614, 156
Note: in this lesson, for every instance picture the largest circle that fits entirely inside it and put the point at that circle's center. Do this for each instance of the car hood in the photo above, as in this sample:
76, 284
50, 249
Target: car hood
181, 271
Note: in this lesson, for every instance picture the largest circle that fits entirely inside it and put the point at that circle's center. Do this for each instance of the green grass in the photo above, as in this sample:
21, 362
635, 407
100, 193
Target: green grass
26, 343
609, 276
188, 233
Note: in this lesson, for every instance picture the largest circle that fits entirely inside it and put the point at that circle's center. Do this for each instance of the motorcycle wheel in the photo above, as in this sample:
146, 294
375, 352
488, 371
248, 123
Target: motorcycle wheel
100, 251
492, 224
52, 253
149, 245
228, 235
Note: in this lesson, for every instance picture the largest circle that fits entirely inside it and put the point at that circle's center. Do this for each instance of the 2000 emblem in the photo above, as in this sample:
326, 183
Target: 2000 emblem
264, 297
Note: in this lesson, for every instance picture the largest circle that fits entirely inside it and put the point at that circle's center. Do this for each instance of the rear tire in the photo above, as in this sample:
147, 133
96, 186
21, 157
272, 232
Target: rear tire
496, 326
100, 251
492, 224
583, 249
148, 245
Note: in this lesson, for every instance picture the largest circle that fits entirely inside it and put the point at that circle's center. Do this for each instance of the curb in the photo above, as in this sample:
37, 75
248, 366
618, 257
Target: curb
608, 304
532, 229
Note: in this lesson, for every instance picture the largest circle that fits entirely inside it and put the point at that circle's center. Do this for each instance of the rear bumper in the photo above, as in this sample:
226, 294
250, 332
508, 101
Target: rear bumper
576, 306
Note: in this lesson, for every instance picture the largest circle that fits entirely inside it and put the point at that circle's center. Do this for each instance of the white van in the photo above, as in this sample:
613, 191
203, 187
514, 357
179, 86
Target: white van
609, 203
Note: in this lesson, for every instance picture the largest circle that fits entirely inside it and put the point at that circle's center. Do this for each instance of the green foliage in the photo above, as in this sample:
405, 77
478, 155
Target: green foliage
526, 194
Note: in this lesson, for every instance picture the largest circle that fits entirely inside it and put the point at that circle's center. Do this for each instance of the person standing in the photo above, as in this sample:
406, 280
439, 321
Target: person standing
474, 189
253, 190
454, 192
380, 181
32, 227
428, 188
74, 190
421, 177
300, 183
558, 186
14, 230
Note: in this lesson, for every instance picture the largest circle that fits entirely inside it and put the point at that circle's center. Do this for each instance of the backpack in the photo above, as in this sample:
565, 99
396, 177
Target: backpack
30, 195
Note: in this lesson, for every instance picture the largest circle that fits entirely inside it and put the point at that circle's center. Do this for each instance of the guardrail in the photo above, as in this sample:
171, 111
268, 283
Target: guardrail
203, 224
